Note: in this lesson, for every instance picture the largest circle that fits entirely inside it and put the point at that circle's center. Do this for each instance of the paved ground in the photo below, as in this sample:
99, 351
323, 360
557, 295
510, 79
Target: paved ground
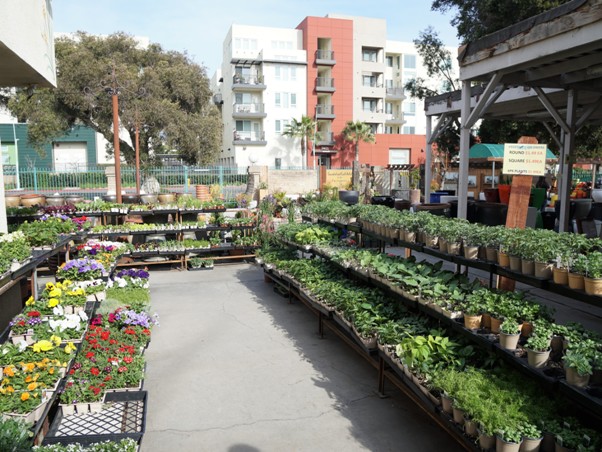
234, 367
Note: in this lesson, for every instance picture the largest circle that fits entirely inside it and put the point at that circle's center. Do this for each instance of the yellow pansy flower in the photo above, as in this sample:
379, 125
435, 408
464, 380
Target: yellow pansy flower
69, 348
55, 293
67, 283
49, 286
42, 346
55, 340
52, 302
30, 301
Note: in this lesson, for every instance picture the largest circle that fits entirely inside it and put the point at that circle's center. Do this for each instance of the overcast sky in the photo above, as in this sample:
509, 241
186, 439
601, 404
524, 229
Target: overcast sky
199, 27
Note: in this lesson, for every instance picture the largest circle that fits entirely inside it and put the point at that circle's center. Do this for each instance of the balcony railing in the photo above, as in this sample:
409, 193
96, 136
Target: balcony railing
325, 138
395, 92
255, 79
324, 109
325, 83
252, 136
249, 109
325, 57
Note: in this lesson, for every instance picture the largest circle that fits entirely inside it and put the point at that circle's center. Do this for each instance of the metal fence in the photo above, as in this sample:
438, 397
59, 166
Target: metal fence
91, 181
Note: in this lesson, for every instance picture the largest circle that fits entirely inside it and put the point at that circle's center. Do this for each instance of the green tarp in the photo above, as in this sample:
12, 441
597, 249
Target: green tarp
484, 151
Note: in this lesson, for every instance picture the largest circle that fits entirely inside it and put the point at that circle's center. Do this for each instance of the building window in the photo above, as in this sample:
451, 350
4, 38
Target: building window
369, 54
369, 105
277, 72
285, 100
389, 108
409, 61
277, 99
389, 61
293, 100
278, 126
409, 130
409, 108
399, 156
369, 80
277, 163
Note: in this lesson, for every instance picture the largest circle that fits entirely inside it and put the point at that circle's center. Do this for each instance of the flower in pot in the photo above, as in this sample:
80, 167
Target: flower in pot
538, 350
509, 334
593, 275
578, 367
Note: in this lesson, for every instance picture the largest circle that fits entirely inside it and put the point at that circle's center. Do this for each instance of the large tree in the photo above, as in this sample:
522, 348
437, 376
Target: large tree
476, 18
304, 129
163, 92
355, 132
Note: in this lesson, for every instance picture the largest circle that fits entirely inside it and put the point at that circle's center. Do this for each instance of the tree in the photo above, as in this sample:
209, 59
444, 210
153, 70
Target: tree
477, 18
164, 92
304, 129
355, 132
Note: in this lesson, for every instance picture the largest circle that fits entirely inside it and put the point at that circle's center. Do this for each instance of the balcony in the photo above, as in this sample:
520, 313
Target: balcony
325, 111
325, 139
249, 138
248, 111
325, 85
396, 119
325, 57
394, 94
248, 82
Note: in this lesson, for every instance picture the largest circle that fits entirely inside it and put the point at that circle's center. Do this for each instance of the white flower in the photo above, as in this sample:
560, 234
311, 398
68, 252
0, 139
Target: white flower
83, 316
22, 345
58, 310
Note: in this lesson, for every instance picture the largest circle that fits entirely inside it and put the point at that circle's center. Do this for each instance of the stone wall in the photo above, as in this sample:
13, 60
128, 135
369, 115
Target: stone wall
292, 182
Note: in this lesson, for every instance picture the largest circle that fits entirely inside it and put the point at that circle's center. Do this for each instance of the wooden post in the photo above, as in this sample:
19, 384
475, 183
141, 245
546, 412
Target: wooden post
518, 206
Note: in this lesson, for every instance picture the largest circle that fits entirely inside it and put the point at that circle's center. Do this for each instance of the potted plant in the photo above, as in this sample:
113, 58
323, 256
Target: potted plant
532, 437
593, 277
509, 334
538, 351
508, 439
414, 183
577, 270
472, 311
578, 368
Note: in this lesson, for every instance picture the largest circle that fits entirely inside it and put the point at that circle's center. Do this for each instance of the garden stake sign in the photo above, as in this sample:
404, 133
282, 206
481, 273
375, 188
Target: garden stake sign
522, 164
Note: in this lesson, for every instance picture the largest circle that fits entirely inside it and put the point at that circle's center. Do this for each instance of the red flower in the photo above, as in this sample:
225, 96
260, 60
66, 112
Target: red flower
94, 389
129, 331
146, 331
33, 314
89, 355
128, 359
72, 371
105, 335
108, 378
94, 371
112, 341
122, 369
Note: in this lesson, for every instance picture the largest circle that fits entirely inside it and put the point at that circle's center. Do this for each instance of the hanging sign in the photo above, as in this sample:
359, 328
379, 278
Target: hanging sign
525, 159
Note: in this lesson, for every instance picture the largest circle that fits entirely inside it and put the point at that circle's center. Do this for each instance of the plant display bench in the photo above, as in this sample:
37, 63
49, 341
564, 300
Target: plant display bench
123, 416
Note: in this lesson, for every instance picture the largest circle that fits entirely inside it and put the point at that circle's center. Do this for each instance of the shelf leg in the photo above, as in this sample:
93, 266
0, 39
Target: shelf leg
381, 378
321, 325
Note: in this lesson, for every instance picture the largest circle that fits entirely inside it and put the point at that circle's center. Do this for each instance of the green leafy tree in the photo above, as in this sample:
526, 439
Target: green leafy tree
164, 92
474, 19
355, 132
304, 129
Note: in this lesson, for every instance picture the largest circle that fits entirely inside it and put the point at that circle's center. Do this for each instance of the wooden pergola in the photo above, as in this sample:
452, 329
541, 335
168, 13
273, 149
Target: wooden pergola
547, 68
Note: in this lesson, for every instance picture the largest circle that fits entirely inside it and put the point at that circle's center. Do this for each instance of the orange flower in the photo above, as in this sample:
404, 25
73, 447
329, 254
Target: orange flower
51, 370
28, 379
10, 389
29, 367
32, 386
24, 396
9, 371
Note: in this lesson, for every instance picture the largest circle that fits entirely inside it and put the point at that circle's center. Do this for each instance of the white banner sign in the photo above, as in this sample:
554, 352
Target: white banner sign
527, 159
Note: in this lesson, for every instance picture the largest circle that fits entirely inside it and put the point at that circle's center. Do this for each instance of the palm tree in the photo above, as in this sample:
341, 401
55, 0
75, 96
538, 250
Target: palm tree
304, 129
355, 132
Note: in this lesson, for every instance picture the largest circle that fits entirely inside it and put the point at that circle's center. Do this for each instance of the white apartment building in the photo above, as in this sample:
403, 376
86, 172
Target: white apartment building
333, 69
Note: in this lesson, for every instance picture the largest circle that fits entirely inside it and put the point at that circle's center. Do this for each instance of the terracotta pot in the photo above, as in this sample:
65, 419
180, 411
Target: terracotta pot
593, 286
504, 192
509, 341
560, 275
526, 329
491, 195
515, 263
576, 281
12, 200
483, 254
537, 359
33, 200
574, 379
414, 196
527, 267
486, 321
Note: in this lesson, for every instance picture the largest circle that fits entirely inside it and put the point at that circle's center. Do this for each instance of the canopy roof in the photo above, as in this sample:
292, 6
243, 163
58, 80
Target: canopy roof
495, 152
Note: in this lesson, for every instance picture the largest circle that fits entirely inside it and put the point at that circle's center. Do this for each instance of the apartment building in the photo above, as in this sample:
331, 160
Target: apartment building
332, 69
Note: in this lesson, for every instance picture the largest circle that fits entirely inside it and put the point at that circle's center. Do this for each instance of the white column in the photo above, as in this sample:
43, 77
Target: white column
464, 148
567, 169
429, 159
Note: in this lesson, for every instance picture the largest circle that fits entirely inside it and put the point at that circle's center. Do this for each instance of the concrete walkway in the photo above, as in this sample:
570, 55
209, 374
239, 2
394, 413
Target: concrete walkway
235, 367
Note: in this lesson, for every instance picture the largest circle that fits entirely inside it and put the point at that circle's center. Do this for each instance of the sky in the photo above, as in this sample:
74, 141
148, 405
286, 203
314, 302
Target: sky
199, 27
